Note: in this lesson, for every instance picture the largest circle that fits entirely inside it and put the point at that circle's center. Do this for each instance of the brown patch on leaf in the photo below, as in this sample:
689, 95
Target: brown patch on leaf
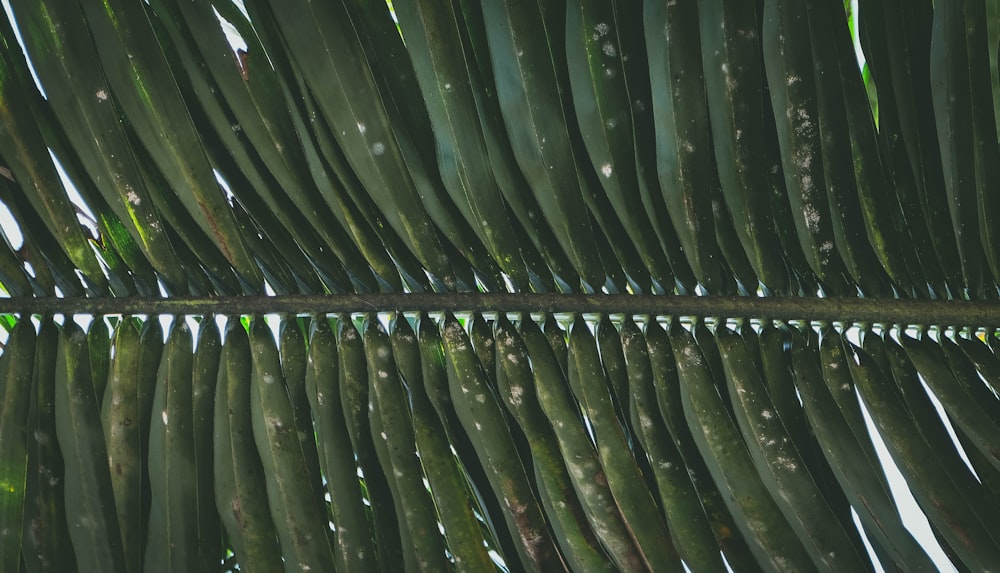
243, 59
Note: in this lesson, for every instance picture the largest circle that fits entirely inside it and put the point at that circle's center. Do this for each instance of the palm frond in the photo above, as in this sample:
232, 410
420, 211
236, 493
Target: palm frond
563, 285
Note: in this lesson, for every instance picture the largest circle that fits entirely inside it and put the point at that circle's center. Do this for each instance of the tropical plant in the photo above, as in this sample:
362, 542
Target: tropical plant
552, 285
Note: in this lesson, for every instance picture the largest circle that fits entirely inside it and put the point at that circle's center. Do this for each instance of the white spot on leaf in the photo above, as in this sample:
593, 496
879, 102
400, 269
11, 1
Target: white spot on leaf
515, 395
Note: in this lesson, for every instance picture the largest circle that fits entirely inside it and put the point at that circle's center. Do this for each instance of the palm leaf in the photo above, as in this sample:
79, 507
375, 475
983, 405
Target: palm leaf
476, 263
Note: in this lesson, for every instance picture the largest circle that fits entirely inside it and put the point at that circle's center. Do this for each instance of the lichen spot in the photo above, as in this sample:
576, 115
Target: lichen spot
481, 398
606, 170
133, 198
767, 414
102, 95
787, 463
378, 148
812, 216
515, 395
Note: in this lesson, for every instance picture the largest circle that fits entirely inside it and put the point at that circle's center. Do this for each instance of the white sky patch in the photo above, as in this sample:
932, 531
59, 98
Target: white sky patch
83, 321
86, 216
11, 230
223, 183
236, 41
857, 37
